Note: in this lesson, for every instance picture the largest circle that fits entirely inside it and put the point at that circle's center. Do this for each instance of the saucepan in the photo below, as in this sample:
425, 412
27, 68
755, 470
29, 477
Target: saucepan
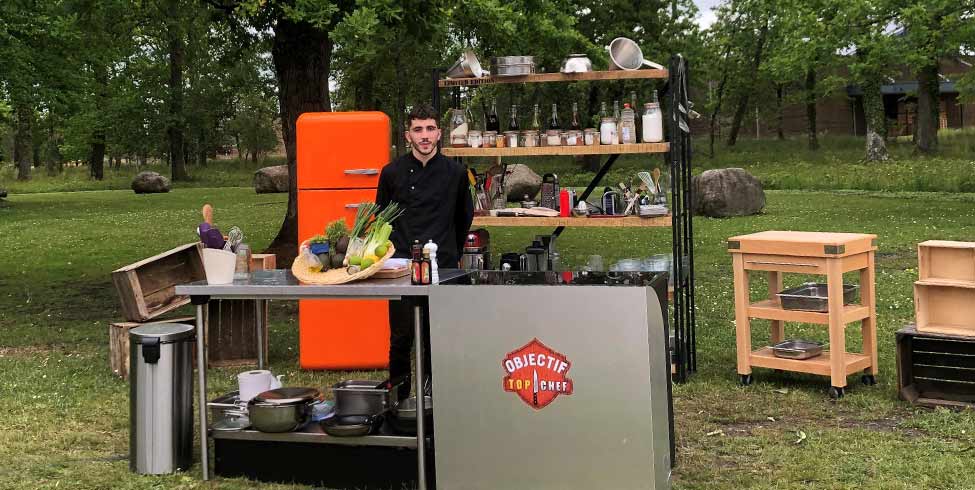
404, 416
625, 54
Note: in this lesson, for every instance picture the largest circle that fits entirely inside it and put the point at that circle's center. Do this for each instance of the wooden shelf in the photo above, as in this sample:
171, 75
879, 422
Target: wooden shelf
557, 150
555, 77
622, 221
948, 283
771, 309
817, 365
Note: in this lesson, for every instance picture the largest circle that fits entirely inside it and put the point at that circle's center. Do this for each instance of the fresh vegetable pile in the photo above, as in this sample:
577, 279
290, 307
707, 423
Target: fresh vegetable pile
363, 246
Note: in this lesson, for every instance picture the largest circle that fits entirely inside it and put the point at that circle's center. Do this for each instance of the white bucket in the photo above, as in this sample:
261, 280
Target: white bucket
219, 265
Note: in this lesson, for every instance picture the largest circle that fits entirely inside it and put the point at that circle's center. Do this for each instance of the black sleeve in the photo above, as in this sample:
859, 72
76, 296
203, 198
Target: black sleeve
384, 192
464, 213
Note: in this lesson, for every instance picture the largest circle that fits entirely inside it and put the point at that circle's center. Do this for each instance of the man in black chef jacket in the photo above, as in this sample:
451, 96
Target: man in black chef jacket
433, 191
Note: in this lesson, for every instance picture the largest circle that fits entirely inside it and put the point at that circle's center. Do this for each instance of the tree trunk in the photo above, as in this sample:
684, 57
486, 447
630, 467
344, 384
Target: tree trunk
743, 100
873, 108
96, 151
779, 116
52, 155
22, 141
928, 110
302, 56
174, 130
811, 109
202, 150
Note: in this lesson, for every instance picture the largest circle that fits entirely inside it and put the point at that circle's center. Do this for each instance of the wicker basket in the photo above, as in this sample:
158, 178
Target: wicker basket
301, 270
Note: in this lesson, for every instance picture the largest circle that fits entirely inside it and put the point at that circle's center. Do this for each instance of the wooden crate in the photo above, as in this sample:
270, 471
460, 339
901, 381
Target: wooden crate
946, 261
231, 326
944, 309
935, 370
118, 342
147, 288
263, 262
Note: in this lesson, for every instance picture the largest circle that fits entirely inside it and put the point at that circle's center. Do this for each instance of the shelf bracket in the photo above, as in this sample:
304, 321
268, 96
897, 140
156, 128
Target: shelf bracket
592, 185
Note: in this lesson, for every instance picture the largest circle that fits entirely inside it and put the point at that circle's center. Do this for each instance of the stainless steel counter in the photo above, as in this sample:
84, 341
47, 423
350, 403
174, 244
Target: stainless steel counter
281, 284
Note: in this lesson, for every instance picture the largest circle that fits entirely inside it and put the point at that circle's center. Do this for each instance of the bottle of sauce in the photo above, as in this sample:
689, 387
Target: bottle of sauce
575, 117
653, 130
416, 270
425, 268
493, 124
628, 125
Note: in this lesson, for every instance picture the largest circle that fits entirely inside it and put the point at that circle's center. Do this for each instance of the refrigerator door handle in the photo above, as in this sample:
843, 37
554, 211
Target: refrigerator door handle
362, 171
352, 206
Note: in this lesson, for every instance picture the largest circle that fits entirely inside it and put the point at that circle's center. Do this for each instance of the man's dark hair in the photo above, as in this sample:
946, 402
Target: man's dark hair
421, 111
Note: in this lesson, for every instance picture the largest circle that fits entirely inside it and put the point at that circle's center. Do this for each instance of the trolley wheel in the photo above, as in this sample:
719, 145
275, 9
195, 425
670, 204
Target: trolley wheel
836, 393
868, 379
745, 379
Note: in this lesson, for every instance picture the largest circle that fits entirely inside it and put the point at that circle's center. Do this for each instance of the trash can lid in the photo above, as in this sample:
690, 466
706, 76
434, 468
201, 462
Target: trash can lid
165, 332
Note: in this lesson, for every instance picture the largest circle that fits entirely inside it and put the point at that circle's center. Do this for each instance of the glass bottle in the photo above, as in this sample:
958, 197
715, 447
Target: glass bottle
619, 121
635, 108
628, 126
493, 124
575, 117
602, 110
535, 124
513, 122
553, 122
652, 121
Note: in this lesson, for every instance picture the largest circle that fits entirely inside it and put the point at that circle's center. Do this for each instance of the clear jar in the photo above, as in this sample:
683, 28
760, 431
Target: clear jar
574, 137
458, 128
607, 131
474, 139
553, 137
591, 136
529, 138
511, 139
489, 139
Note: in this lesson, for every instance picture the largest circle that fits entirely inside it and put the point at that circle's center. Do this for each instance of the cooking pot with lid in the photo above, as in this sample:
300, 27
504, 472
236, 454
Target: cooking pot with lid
282, 409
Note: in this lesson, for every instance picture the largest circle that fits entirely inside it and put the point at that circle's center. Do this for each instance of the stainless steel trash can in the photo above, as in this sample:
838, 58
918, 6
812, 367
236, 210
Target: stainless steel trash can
161, 398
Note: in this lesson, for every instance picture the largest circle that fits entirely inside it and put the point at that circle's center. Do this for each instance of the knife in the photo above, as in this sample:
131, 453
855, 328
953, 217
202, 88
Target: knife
535, 387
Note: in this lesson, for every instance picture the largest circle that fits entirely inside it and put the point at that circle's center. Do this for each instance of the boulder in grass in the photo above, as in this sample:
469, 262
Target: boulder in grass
726, 192
271, 179
150, 183
521, 181
3, 193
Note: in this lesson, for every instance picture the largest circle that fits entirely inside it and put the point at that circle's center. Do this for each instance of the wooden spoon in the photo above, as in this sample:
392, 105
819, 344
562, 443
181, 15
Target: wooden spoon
656, 179
208, 214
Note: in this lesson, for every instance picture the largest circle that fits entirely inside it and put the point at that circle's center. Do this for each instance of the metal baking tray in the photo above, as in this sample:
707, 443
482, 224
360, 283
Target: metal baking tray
812, 297
797, 349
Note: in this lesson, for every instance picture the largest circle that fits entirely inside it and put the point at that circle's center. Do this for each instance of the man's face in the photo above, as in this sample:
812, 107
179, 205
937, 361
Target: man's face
423, 135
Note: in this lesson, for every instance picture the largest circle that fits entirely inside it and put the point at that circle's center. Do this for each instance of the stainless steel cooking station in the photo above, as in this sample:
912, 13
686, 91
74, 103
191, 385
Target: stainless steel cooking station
603, 349
282, 285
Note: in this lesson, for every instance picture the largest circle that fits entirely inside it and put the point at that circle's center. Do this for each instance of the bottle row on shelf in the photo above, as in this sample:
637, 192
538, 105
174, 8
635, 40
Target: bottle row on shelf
622, 127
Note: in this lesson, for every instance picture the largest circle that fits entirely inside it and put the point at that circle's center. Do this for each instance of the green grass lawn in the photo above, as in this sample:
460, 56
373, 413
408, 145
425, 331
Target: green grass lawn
65, 416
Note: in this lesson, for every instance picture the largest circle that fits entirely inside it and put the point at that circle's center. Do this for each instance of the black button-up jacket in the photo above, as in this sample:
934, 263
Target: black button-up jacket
437, 203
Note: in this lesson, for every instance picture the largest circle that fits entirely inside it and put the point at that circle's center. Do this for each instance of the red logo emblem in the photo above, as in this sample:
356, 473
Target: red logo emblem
537, 374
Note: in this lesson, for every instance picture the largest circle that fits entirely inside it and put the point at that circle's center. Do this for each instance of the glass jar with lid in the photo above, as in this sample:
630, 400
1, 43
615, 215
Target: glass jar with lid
573, 137
489, 139
474, 139
607, 131
553, 137
529, 138
511, 139
591, 136
458, 128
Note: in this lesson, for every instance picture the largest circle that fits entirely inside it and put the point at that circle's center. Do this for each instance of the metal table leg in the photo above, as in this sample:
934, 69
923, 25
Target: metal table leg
201, 369
418, 386
258, 314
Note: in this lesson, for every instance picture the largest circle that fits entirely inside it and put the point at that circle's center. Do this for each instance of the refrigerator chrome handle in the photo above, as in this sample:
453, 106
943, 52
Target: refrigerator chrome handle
362, 171
352, 206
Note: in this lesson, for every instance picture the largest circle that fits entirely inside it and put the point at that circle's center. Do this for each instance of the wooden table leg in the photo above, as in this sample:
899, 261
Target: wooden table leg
837, 333
743, 331
774, 286
868, 326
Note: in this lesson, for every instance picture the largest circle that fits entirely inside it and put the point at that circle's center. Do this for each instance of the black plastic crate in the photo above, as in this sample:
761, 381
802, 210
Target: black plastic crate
935, 370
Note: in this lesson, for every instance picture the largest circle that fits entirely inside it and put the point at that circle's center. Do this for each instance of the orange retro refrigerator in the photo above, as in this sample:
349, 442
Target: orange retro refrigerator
340, 156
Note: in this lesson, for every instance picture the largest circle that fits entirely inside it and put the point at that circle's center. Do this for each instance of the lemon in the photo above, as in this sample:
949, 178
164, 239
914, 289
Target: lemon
366, 262
354, 260
381, 250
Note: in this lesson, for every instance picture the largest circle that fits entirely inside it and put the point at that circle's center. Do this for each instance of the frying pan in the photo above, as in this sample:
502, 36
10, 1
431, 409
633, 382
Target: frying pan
352, 425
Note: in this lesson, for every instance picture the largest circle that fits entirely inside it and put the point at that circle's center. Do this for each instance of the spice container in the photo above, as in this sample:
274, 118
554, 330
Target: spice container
553, 138
529, 138
474, 139
573, 137
607, 131
511, 139
591, 136
489, 139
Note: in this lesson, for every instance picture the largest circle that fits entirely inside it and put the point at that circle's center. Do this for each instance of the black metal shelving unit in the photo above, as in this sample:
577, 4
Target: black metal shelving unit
679, 159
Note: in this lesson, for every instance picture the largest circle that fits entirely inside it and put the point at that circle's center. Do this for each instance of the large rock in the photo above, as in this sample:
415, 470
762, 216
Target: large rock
520, 181
271, 179
727, 192
150, 183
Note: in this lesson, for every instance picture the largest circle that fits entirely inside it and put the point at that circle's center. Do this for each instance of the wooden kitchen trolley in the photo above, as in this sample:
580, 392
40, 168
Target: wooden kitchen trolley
827, 254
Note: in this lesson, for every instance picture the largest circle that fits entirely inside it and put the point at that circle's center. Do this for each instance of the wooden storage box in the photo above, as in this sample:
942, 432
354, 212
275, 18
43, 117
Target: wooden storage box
118, 342
147, 288
945, 261
944, 309
263, 262
935, 370
231, 327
